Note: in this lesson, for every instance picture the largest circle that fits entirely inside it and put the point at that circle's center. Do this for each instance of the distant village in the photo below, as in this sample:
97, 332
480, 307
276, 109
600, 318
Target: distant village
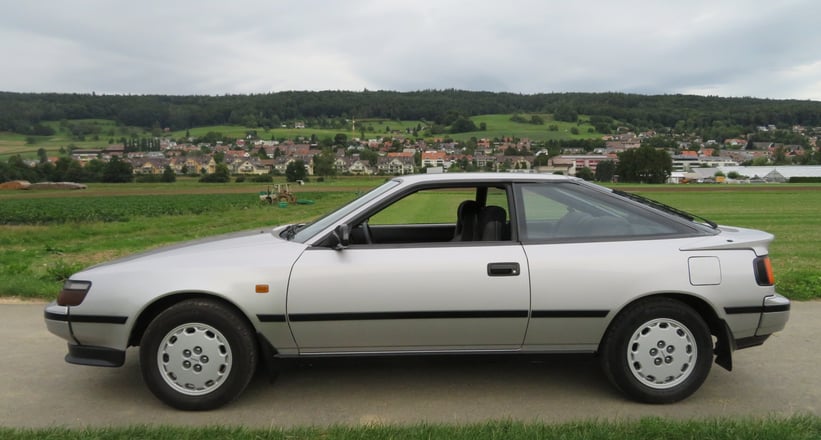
693, 161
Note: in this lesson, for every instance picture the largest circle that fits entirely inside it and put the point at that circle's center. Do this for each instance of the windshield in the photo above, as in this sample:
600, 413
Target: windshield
305, 232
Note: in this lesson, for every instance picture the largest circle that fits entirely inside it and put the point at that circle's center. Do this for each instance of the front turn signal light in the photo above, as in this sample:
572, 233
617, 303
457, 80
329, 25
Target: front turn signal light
73, 293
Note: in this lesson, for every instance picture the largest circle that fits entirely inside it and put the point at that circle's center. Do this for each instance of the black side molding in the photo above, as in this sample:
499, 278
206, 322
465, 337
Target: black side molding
368, 316
94, 319
271, 318
569, 313
757, 309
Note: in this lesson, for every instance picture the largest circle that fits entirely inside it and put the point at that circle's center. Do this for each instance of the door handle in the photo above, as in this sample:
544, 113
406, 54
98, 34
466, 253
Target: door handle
503, 269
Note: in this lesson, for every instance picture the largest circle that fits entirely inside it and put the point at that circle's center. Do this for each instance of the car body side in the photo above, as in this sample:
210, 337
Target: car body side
568, 303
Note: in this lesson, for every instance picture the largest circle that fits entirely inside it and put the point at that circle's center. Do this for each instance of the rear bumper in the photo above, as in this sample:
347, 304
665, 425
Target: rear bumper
749, 326
774, 316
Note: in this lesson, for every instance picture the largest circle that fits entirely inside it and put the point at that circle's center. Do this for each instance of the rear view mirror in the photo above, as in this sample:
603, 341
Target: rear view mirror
341, 237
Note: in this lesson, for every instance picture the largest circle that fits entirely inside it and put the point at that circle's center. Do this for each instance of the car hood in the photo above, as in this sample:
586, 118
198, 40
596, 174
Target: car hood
208, 251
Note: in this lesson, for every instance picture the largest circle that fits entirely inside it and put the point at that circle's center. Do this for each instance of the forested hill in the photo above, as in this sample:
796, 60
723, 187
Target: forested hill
23, 112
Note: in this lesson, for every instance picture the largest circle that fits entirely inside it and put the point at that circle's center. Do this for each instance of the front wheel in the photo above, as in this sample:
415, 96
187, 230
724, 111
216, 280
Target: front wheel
198, 355
657, 351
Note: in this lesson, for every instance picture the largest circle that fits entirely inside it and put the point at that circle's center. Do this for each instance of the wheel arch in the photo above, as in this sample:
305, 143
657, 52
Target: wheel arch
155, 308
718, 327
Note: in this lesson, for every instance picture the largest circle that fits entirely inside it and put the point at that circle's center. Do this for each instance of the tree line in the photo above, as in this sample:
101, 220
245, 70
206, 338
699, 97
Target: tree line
66, 169
712, 117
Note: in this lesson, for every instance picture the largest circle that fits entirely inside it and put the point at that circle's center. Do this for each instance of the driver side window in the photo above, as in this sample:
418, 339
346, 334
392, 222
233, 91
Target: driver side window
439, 215
437, 206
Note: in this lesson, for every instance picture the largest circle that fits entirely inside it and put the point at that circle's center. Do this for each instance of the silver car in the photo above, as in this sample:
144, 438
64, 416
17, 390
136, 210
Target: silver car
435, 264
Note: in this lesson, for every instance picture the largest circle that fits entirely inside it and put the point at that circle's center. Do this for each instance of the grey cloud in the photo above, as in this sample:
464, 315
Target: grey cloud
726, 47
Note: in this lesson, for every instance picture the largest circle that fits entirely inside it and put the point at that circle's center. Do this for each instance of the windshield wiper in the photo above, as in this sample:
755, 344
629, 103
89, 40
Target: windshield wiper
665, 208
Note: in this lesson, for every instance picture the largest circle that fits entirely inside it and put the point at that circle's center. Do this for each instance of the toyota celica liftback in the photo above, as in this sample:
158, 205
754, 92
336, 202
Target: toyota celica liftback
437, 264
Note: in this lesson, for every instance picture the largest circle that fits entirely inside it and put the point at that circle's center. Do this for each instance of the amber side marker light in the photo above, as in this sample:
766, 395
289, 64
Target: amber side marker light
262, 288
764, 271
73, 293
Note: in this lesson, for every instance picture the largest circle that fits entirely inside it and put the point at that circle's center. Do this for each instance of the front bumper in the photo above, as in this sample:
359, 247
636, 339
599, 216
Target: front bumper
95, 356
56, 317
58, 321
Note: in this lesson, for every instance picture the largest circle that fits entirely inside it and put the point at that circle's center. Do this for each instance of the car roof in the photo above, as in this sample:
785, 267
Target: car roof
483, 177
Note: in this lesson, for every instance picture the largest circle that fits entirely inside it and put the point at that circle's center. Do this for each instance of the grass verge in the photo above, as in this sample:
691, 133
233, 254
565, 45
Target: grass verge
799, 427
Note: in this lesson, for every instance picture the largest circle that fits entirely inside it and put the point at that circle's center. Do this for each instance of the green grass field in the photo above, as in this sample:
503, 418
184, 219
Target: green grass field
794, 428
13, 143
35, 256
792, 216
47, 235
498, 126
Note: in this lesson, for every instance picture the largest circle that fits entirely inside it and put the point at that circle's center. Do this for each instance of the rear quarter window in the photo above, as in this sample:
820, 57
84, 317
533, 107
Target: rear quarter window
566, 211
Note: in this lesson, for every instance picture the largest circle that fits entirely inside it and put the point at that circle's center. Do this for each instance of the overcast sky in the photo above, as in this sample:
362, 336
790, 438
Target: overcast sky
767, 49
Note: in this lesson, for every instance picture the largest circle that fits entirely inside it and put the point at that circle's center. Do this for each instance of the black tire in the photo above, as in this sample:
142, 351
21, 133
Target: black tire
657, 351
198, 355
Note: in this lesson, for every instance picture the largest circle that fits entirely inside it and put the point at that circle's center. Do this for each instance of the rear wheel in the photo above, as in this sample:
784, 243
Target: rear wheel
198, 355
657, 351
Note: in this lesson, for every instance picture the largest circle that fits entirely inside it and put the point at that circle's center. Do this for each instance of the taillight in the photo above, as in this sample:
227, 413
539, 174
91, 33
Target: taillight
73, 293
764, 271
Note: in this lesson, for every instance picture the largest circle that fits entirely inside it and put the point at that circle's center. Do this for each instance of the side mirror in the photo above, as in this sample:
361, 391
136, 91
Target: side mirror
341, 237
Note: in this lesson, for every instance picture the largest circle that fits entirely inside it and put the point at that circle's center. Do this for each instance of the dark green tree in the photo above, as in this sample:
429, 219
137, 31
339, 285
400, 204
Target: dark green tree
94, 170
219, 157
585, 173
75, 173
660, 142
118, 171
220, 175
463, 125
295, 171
371, 156
566, 114
324, 163
541, 160
168, 175
45, 171
16, 169
644, 165
780, 156
605, 170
